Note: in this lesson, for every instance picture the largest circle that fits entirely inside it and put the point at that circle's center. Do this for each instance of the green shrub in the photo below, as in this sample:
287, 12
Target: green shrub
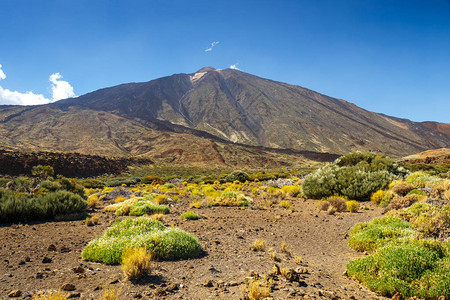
369, 161
378, 232
428, 219
91, 183
237, 176
417, 192
120, 181
71, 186
18, 207
356, 175
15, 207
3, 182
419, 179
387, 197
42, 172
51, 186
161, 242
415, 268
146, 207
189, 215
59, 203
351, 182
231, 198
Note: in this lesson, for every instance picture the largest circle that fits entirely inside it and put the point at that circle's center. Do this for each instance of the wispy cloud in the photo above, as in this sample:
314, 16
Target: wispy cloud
213, 44
235, 66
60, 89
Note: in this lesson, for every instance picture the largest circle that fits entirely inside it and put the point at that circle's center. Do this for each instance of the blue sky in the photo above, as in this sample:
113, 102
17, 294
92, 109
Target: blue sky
387, 56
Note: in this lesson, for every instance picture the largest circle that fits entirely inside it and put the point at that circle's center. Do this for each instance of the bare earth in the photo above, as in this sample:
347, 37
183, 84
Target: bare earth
226, 235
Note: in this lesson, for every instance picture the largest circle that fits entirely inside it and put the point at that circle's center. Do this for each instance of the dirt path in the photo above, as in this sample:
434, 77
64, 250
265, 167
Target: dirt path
226, 235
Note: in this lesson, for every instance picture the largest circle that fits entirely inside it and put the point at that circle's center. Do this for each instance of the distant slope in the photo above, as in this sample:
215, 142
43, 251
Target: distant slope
92, 132
243, 108
434, 156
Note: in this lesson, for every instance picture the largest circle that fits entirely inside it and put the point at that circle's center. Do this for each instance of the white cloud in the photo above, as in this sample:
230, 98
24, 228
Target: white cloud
17, 98
2, 74
235, 66
61, 89
213, 44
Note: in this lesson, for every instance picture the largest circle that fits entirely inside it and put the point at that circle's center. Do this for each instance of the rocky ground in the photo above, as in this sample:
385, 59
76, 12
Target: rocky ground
47, 256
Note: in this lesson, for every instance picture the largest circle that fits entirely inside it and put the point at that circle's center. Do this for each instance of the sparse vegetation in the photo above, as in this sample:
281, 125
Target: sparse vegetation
408, 254
231, 198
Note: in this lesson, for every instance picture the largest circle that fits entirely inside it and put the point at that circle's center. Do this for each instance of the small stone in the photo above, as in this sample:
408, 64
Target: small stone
39, 275
213, 269
51, 247
352, 297
160, 292
15, 293
208, 283
78, 270
291, 275
114, 281
233, 283
64, 250
68, 287
46, 260
22, 262
172, 287
27, 259
74, 295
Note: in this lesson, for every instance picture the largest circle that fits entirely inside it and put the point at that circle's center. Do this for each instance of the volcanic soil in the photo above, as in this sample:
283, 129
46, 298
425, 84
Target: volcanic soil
44, 256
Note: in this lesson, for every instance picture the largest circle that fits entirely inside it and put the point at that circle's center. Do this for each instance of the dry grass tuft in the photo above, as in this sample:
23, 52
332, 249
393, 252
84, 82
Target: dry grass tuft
259, 245
136, 262
159, 217
258, 288
195, 204
50, 296
111, 294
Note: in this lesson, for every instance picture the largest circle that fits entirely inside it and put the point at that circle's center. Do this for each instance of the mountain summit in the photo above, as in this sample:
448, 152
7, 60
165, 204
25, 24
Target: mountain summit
246, 109
221, 115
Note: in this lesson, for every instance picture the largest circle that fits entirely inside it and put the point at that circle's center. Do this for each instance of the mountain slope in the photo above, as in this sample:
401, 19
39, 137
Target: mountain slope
243, 108
93, 132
